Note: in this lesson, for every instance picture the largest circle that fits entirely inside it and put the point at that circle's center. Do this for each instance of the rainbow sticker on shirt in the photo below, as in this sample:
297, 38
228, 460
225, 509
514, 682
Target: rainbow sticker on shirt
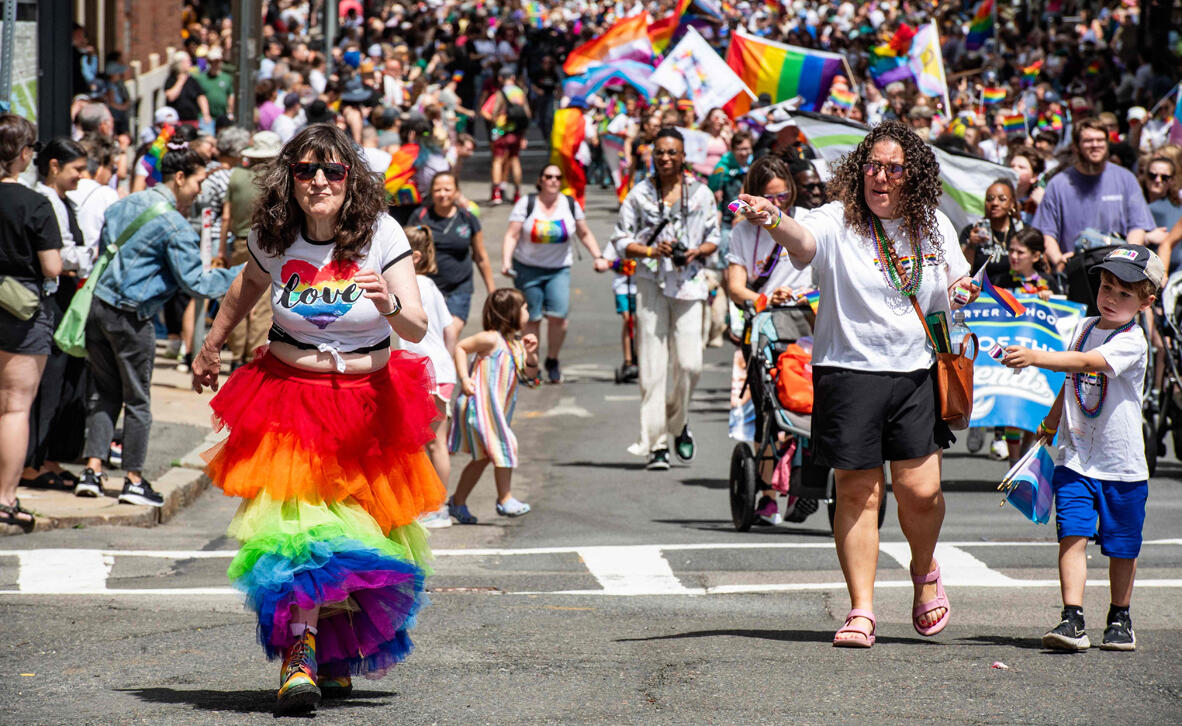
319, 295
549, 232
930, 259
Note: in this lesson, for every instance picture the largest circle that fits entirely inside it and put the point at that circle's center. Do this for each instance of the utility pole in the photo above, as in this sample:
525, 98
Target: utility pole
6, 54
248, 24
331, 17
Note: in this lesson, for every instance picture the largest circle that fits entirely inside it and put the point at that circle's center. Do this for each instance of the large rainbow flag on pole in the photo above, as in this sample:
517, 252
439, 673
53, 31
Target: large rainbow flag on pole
661, 32
781, 71
565, 136
981, 26
626, 39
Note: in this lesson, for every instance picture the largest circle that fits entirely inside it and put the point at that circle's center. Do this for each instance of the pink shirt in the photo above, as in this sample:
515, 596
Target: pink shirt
714, 151
268, 112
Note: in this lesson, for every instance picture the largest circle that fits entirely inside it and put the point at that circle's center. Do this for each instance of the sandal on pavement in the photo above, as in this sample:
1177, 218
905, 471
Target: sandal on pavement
69, 478
863, 638
48, 480
923, 608
12, 515
512, 508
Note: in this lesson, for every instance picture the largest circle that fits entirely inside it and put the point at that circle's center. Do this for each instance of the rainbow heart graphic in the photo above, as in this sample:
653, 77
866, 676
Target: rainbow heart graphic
319, 295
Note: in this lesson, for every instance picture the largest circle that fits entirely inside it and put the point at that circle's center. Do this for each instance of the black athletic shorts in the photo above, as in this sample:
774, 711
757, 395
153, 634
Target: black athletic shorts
862, 419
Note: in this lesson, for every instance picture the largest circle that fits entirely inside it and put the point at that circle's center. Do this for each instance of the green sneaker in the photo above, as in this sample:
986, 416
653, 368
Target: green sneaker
683, 445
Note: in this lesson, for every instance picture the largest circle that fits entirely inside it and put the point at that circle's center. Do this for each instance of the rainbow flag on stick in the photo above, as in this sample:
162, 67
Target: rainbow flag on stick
981, 26
1005, 299
781, 71
843, 98
993, 95
156, 152
565, 136
626, 39
1030, 73
661, 32
1013, 124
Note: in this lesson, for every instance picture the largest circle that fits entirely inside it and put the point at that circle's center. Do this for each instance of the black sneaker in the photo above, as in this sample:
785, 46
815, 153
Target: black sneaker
90, 485
658, 460
140, 492
1069, 634
1119, 634
800, 510
684, 444
552, 370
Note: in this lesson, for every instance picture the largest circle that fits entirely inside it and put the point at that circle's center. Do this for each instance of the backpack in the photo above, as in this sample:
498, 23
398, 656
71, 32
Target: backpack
516, 119
532, 200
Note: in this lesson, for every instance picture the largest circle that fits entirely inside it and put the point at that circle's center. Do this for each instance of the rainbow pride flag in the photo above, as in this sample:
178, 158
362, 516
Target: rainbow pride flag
781, 71
813, 298
1013, 124
156, 152
661, 32
626, 39
401, 189
1030, 73
1005, 299
1051, 121
981, 26
1093, 69
993, 95
565, 136
843, 98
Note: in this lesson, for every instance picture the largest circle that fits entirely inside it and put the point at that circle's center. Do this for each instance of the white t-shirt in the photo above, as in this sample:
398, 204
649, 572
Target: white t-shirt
1109, 446
91, 200
862, 322
545, 239
432, 345
316, 302
378, 160
755, 250
285, 126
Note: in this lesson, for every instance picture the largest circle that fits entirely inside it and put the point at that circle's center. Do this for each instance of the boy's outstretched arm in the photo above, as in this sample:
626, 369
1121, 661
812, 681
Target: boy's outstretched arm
1068, 361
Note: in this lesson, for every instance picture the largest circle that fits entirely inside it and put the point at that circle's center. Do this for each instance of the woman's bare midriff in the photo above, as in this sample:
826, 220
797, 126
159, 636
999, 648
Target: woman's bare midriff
314, 360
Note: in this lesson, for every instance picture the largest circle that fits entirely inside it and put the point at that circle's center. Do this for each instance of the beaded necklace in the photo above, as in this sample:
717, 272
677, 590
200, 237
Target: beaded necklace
908, 285
1103, 379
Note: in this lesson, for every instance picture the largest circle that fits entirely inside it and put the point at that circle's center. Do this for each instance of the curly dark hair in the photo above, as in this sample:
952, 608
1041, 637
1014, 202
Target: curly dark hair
278, 218
921, 188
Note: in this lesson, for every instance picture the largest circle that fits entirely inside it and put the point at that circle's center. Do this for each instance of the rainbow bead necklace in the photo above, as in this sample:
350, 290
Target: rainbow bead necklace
906, 284
1077, 378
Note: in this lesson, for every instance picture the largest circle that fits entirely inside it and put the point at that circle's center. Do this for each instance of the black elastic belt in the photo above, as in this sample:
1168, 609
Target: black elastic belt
279, 335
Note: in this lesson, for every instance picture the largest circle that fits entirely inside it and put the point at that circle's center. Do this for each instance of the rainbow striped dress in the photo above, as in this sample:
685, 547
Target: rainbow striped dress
480, 422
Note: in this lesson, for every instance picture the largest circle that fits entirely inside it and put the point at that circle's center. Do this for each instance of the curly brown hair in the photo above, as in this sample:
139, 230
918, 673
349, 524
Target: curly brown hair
921, 187
278, 218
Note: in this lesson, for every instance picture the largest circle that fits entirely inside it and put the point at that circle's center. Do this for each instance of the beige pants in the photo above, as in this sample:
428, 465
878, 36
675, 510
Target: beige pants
669, 345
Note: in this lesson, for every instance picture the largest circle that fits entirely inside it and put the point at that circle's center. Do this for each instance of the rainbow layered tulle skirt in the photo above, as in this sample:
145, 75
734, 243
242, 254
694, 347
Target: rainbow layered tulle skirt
332, 474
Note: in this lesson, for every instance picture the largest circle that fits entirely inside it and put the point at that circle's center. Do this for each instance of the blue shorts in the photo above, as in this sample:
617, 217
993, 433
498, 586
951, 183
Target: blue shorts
459, 300
623, 305
546, 290
1118, 505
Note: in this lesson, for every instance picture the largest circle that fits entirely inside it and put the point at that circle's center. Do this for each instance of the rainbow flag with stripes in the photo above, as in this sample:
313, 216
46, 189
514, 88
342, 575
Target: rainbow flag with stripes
1030, 73
813, 298
1051, 121
661, 32
1093, 69
782, 71
993, 95
626, 39
1004, 298
156, 152
843, 98
399, 183
981, 26
565, 136
1013, 124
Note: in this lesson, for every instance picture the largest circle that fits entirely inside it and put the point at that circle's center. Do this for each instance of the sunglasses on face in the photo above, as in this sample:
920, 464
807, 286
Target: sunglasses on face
555, 177
893, 171
781, 198
334, 173
1160, 177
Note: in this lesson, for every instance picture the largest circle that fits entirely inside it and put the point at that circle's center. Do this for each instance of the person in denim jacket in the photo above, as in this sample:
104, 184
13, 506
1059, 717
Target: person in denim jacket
162, 256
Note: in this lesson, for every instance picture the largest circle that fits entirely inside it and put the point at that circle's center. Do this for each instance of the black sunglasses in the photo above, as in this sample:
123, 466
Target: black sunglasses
1160, 177
894, 171
555, 177
334, 173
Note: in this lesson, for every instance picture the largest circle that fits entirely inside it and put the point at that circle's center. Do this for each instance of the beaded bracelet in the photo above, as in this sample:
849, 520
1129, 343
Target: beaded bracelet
1044, 429
771, 226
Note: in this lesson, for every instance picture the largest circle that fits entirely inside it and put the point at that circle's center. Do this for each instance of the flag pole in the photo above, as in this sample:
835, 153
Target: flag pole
943, 73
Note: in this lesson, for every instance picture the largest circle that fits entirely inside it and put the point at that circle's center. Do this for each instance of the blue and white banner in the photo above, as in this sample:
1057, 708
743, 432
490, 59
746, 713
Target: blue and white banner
1003, 396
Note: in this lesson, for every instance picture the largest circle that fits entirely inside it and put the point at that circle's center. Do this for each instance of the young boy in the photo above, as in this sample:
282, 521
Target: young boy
1101, 469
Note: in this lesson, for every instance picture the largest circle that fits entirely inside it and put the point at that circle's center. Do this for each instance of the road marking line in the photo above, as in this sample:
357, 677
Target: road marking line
632, 571
628, 397
957, 567
566, 406
64, 571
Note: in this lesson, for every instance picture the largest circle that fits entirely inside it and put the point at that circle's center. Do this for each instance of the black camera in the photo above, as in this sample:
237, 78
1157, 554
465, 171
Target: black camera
679, 254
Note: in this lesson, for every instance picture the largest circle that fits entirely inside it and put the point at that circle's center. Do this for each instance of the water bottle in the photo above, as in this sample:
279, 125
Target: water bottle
961, 337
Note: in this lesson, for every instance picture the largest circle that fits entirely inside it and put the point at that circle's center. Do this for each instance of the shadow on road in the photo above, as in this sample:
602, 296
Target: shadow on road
255, 701
720, 525
625, 465
789, 636
1023, 643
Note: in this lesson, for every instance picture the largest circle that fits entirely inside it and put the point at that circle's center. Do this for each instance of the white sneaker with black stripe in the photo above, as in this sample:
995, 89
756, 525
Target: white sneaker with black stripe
140, 492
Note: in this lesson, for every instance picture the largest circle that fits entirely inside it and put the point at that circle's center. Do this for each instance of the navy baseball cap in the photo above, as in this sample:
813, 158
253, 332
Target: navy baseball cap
1133, 263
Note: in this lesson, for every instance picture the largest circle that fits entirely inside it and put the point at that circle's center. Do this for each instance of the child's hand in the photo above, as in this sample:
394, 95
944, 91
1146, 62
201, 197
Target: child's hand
1044, 295
1019, 357
469, 387
530, 343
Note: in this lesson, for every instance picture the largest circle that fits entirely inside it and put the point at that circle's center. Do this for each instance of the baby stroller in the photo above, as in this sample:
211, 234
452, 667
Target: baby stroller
770, 332
1169, 401
1082, 281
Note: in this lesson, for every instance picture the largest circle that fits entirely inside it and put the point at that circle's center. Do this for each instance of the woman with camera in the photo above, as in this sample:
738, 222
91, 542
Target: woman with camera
669, 223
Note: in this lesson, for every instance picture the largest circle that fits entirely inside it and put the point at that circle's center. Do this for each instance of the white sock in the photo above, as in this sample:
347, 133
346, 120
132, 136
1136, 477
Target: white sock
297, 629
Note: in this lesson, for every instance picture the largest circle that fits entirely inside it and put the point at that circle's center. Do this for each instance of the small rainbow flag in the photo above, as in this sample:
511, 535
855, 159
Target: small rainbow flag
1051, 121
843, 98
1093, 69
156, 152
1005, 299
401, 189
993, 95
1030, 73
813, 298
565, 136
1013, 124
981, 26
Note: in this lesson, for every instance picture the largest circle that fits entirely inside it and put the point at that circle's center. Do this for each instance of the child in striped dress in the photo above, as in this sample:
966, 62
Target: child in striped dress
484, 408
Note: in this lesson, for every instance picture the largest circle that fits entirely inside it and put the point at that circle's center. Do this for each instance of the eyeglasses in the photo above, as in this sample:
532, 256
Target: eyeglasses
1159, 177
873, 168
555, 177
666, 152
305, 171
781, 198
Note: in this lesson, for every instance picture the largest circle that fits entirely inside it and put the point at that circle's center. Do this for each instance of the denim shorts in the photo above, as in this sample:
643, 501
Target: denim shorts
459, 300
546, 290
1119, 507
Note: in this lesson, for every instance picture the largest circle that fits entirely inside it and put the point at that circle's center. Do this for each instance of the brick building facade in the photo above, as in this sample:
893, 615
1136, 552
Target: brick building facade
137, 28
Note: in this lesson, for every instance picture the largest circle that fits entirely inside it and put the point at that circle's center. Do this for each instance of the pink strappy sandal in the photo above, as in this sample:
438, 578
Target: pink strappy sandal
941, 601
864, 638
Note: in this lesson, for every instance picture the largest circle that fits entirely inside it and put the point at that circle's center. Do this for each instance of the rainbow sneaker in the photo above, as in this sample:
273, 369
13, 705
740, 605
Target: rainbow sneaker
297, 689
335, 686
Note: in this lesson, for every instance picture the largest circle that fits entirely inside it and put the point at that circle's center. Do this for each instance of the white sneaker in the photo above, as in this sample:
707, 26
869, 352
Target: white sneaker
437, 519
999, 450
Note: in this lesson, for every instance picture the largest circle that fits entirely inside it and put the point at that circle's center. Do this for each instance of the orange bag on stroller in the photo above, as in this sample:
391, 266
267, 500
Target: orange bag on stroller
794, 379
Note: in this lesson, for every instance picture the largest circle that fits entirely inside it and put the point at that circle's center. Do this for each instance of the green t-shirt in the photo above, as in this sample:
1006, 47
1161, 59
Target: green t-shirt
242, 194
218, 90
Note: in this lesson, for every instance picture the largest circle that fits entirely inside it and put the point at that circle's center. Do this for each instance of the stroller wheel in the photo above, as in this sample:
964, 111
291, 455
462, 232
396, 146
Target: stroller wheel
742, 487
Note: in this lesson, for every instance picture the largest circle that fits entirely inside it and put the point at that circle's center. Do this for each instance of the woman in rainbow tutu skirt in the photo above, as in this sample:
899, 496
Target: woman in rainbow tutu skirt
327, 427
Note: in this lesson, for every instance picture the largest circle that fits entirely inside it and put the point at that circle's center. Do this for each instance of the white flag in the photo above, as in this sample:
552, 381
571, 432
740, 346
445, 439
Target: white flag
692, 69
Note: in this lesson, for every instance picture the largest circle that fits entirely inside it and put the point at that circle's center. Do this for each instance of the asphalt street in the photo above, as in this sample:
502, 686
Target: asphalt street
626, 596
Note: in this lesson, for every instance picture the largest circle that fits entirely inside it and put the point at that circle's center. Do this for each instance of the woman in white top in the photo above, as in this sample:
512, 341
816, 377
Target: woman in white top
880, 244
537, 254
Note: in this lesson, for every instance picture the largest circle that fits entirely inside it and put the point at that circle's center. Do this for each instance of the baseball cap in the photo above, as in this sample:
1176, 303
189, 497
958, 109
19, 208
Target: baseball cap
1133, 263
1137, 113
215, 53
291, 100
166, 115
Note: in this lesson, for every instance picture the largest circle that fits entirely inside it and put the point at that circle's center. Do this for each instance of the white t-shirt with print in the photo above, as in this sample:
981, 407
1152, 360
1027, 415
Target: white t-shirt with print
545, 239
316, 301
1109, 446
755, 250
862, 322
432, 345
